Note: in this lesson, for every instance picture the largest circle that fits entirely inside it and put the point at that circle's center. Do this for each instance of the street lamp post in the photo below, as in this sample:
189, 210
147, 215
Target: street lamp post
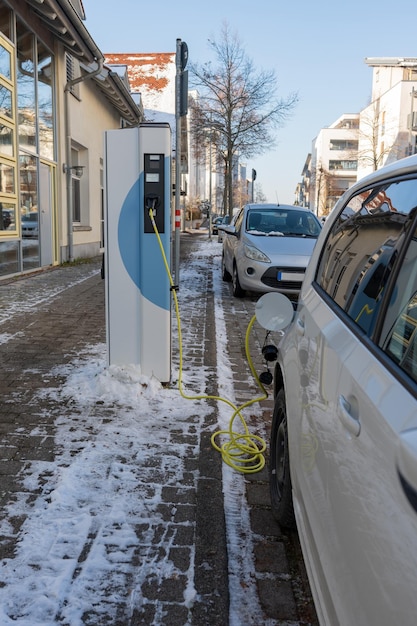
211, 126
210, 188
253, 183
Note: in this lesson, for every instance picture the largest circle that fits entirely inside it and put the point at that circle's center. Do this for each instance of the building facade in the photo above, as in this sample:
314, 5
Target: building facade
334, 163
356, 145
388, 125
57, 98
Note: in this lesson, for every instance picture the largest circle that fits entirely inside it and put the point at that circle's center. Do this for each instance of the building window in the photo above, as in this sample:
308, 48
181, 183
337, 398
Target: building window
78, 174
45, 104
343, 144
76, 199
8, 166
343, 165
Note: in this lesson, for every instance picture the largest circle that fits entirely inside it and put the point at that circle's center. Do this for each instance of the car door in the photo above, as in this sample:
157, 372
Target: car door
230, 241
357, 525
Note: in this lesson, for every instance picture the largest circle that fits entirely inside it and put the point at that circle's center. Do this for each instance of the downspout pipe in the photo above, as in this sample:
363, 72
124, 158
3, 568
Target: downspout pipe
67, 122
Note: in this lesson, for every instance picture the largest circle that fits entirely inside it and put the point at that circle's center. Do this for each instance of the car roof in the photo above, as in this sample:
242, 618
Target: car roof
286, 207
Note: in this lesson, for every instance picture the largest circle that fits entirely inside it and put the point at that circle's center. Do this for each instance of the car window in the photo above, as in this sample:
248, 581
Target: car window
282, 222
238, 219
399, 332
362, 248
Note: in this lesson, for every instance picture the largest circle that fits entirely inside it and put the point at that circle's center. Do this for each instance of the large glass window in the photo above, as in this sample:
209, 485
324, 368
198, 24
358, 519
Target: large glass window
29, 210
27, 134
6, 101
9, 257
28, 183
5, 63
5, 21
362, 249
7, 178
45, 103
8, 191
7, 216
6, 82
6, 140
26, 102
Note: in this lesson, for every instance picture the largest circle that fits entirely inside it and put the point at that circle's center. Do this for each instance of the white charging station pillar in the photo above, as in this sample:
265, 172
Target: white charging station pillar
138, 298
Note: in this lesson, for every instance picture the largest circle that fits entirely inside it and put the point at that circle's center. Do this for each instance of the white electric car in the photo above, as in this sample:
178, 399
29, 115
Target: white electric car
343, 448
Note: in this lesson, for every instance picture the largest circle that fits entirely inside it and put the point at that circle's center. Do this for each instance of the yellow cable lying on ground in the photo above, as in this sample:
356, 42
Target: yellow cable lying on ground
241, 451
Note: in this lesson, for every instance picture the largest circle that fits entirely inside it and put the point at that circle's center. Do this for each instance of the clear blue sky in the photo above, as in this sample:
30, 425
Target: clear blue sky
317, 49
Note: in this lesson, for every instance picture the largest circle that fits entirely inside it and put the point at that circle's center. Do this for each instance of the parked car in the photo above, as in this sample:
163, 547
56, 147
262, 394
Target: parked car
30, 225
268, 248
214, 223
343, 447
7, 218
220, 227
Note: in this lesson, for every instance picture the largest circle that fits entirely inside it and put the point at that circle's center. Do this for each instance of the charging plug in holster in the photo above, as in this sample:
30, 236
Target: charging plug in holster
151, 202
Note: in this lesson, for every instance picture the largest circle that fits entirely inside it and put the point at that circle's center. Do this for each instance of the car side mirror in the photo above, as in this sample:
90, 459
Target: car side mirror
230, 230
274, 311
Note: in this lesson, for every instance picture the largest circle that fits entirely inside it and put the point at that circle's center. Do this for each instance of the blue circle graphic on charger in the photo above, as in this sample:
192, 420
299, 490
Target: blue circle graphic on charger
141, 255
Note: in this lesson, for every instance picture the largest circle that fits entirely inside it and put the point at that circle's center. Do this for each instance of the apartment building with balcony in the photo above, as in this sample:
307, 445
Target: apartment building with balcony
388, 125
334, 163
355, 145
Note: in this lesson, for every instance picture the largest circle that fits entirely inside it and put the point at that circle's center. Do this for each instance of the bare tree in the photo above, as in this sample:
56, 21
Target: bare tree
240, 103
373, 151
259, 194
327, 189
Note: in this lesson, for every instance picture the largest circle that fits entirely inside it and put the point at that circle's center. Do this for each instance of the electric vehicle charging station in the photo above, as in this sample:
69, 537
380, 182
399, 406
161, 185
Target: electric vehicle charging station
138, 297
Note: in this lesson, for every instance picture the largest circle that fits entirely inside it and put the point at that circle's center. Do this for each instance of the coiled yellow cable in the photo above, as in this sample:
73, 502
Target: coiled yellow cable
242, 451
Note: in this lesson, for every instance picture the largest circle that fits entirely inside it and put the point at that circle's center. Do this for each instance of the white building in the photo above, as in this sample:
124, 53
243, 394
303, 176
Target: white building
358, 144
385, 133
333, 162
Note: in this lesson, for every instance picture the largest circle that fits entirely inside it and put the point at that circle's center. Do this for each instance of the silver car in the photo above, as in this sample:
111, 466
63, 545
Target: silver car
30, 225
221, 225
268, 248
343, 448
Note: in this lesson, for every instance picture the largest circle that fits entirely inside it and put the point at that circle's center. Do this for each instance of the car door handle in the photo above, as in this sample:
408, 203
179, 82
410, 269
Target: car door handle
351, 423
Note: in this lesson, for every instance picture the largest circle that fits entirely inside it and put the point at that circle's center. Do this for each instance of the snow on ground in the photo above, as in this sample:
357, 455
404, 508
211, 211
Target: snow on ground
105, 481
24, 301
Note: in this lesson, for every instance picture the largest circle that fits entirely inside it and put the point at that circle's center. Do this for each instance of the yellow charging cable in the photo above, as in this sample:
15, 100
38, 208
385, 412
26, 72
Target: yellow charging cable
243, 452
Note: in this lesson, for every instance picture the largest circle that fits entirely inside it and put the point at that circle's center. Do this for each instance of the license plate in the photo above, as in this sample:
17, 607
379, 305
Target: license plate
292, 276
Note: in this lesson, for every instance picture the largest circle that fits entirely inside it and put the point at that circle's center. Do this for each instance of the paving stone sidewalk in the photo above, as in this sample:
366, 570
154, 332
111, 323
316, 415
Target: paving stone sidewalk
43, 335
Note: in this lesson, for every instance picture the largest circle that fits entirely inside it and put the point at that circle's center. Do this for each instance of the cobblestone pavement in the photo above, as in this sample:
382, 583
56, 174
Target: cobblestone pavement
46, 332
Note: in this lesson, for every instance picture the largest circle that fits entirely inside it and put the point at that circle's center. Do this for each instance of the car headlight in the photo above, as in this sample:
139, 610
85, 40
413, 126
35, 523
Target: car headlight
256, 255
